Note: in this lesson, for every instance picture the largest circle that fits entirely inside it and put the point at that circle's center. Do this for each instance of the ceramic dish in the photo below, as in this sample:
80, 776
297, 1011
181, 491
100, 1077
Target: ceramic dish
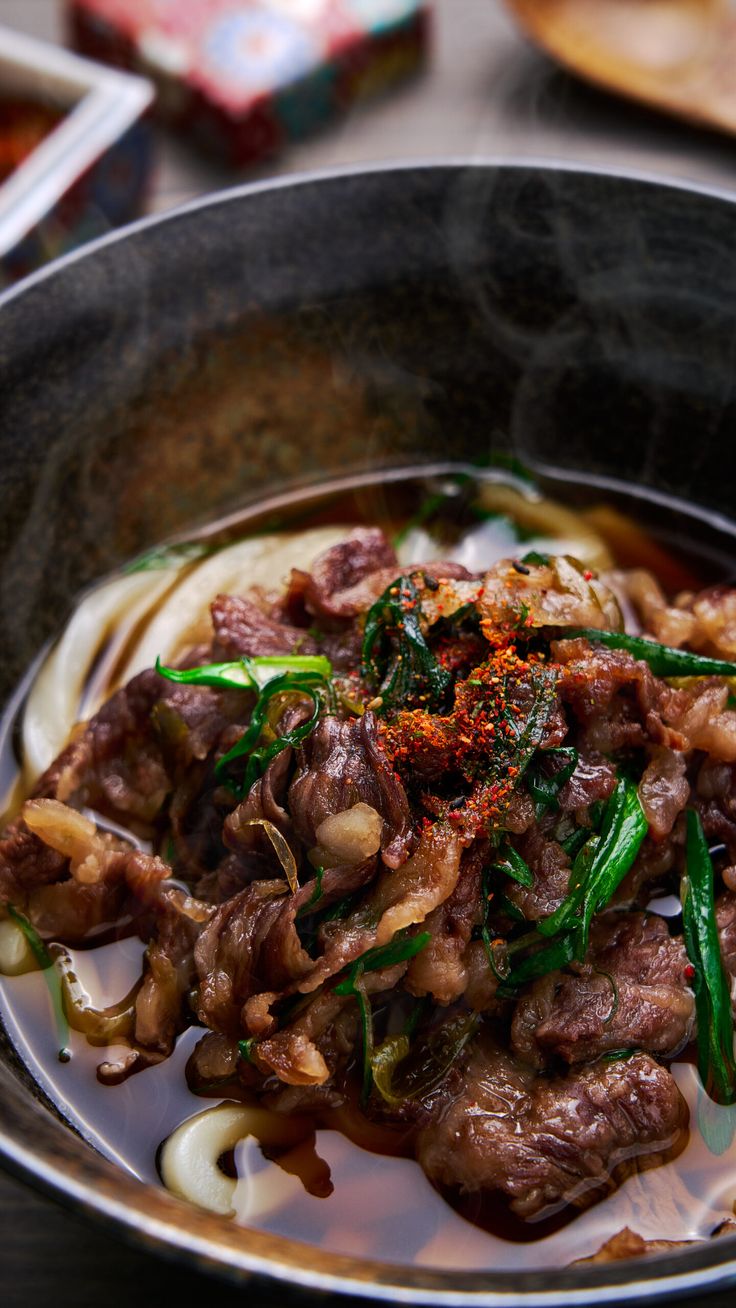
90, 168
333, 327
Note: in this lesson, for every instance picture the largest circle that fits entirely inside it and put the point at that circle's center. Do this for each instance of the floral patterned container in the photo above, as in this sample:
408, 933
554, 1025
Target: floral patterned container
243, 77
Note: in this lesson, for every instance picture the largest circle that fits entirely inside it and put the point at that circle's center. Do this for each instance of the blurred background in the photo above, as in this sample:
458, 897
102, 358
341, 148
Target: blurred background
247, 89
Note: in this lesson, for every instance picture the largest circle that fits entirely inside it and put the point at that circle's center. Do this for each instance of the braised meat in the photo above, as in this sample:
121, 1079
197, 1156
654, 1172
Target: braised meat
390, 841
546, 1142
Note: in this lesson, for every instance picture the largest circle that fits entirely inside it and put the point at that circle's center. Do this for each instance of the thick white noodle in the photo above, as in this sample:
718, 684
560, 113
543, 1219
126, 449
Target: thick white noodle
54, 702
189, 1158
176, 602
183, 619
566, 531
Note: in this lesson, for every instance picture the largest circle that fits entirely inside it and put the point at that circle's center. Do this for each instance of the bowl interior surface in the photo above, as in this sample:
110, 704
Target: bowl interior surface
274, 336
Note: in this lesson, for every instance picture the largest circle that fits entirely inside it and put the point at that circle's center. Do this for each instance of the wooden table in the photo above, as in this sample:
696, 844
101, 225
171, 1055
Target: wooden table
486, 95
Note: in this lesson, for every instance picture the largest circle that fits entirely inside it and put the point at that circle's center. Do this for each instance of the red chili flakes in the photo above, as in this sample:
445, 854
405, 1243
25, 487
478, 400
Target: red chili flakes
475, 742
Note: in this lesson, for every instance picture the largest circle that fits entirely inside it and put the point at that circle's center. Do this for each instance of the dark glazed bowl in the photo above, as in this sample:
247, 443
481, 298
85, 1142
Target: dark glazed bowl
288, 333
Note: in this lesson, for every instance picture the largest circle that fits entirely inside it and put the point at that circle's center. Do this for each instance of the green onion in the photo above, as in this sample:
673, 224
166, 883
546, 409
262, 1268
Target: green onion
247, 673
556, 955
395, 655
418, 1013
170, 556
539, 560
511, 909
51, 977
398, 950
245, 1049
711, 985
513, 865
573, 843
310, 684
545, 788
662, 659
316, 894
601, 866
402, 1075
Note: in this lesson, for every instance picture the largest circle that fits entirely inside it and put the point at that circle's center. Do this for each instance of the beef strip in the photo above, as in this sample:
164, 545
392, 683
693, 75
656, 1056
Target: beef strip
333, 588
440, 969
245, 954
242, 628
69, 878
616, 698
341, 764
229, 955
631, 992
169, 972
550, 867
594, 779
550, 1142
726, 923
26, 864
116, 764
664, 791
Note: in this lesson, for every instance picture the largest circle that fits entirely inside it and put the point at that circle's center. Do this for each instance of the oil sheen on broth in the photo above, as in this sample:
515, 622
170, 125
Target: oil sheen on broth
348, 1188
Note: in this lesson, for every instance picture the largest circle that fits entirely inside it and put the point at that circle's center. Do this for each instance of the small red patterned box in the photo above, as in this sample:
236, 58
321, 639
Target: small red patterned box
242, 77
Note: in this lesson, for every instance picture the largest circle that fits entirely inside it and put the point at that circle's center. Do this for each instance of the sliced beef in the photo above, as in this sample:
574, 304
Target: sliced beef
616, 698
726, 923
594, 779
116, 765
440, 969
229, 955
26, 864
169, 973
214, 1061
69, 878
308, 1051
633, 992
664, 791
243, 629
550, 867
333, 587
341, 764
192, 722
706, 722
395, 901
251, 955
715, 800
545, 1142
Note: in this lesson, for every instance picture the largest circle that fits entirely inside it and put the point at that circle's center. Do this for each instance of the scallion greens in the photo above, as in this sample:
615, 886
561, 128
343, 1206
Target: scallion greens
664, 660
710, 983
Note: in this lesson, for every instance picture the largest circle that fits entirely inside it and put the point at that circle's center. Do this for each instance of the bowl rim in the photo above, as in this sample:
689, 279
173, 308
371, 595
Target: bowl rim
148, 1216
232, 194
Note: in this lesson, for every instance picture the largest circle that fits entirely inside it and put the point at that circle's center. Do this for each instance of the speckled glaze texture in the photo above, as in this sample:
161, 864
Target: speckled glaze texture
283, 334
